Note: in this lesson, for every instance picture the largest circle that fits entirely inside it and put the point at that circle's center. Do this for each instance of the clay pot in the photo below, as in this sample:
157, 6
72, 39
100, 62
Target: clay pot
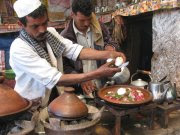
10, 101
68, 105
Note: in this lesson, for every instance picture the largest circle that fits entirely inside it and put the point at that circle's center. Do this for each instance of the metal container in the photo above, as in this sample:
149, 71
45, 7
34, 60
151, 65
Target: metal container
171, 92
139, 82
121, 77
158, 91
85, 128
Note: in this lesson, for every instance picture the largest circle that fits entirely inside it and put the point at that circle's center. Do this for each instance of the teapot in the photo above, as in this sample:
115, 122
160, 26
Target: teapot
139, 82
158, 91
121, 77
171, 92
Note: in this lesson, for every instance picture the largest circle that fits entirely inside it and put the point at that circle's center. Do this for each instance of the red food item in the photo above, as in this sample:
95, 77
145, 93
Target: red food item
131, 95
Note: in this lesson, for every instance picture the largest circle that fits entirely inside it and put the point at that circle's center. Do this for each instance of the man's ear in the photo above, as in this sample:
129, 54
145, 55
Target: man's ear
73, 14
20, 24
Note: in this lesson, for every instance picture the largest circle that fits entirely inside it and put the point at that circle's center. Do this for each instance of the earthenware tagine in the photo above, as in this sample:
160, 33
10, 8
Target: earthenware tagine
68, 105
10, 101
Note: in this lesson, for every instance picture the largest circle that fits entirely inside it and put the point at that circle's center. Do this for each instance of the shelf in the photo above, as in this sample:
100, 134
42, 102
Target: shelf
104, 13
104, 17
8, 28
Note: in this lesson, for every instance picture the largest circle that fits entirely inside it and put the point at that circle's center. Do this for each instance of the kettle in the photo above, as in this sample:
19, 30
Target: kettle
139, 82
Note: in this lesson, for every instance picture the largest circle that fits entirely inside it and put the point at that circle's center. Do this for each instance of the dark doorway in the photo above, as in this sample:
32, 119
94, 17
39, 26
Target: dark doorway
138, 45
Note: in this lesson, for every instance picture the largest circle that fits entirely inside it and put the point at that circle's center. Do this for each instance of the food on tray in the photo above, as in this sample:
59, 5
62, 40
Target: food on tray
126, 95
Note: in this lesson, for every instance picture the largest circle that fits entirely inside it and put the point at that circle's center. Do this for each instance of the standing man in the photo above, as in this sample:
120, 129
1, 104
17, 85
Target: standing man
35, 56
86, 30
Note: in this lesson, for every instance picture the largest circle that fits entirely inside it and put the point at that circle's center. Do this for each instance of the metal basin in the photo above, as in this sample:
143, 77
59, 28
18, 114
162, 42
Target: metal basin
85, 128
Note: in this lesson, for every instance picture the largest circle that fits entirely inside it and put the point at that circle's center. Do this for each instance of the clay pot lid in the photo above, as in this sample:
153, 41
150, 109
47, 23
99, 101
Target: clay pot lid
11, 102
68, 105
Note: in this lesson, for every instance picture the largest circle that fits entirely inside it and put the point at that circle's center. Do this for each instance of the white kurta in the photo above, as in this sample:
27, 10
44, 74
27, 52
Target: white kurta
34, 74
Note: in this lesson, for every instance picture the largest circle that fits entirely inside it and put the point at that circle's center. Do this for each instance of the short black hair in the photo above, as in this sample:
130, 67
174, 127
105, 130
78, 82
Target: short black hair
83, 6
39, 12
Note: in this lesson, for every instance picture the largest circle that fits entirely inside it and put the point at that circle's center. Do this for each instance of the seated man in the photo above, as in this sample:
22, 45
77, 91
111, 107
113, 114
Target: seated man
35, 56
86, 30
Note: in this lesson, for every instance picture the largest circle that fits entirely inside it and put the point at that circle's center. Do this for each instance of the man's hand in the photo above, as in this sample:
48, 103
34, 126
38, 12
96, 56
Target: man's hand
115, 54
88, 87
105, 70
108, 69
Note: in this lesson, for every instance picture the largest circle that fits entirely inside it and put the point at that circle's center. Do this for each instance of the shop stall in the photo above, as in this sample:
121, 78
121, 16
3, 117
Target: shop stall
146, 31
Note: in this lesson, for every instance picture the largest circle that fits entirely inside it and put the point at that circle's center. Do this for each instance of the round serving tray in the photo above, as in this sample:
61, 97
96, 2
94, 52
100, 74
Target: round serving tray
102, 92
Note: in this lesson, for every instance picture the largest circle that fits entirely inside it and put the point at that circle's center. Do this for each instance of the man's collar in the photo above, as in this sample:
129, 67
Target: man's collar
76, 31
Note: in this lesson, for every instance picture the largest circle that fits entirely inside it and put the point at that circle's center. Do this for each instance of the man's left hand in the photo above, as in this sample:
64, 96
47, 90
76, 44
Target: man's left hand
88, 87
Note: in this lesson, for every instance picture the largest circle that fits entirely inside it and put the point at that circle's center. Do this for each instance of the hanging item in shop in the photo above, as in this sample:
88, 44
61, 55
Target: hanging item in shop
58, 10
104, 5
119, 31
9, 7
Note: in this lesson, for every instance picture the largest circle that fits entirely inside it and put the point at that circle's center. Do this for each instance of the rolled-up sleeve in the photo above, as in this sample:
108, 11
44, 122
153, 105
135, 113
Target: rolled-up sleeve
71, 51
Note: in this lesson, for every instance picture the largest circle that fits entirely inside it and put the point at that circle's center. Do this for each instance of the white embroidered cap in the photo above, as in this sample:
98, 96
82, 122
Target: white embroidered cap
25, 7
